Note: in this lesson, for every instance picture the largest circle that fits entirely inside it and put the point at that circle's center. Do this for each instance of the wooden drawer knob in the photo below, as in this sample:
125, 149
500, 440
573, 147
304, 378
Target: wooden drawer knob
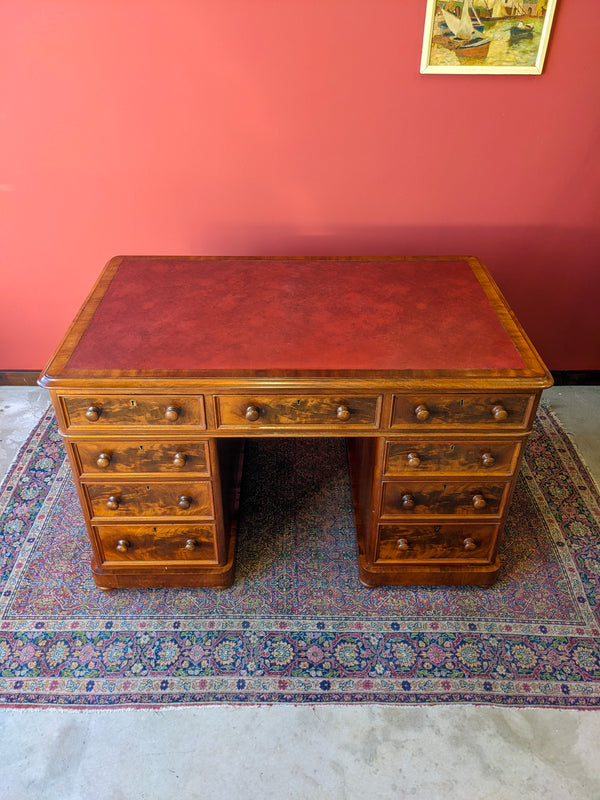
413, 460
190, 545
185, 501
343, 413
408, 501
113, 502
252, 413
179, 460
103, 460
93, 413
403, 545
172, 413
499, 412
422, 412
470, 544
479, 501
487, 459
123, 545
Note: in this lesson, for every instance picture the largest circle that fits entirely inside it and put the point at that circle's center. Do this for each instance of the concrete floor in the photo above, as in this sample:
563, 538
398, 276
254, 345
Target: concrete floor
301, 753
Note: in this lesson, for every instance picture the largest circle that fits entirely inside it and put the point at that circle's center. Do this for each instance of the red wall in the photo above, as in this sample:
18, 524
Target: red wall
296, 127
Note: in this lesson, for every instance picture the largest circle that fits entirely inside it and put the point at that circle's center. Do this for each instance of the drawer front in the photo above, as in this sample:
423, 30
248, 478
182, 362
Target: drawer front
98, 412
430, 411
410, 498
192, 499
436, 543
250, 412
148, 543
115, 457
451, 457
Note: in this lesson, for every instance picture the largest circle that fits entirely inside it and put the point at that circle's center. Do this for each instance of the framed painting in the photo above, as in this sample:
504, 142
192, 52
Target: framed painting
486, 36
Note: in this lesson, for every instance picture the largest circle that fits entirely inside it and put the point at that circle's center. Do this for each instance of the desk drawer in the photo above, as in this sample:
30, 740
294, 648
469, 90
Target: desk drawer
123, 499
114, 457
411, 498
96, 412
488, 411
451, 457
252, 412
151, 543
436, 542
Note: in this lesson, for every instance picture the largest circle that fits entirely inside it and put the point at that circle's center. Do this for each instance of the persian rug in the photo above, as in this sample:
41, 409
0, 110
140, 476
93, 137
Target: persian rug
297, 626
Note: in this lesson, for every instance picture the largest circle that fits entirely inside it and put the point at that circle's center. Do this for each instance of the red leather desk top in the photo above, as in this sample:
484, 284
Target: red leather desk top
306, 315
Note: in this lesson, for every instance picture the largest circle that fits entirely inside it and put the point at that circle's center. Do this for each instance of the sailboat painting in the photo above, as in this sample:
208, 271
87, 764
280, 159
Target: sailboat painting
487, 36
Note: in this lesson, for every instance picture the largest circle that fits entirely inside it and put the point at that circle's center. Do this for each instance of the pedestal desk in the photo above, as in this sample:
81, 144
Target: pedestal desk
173, 362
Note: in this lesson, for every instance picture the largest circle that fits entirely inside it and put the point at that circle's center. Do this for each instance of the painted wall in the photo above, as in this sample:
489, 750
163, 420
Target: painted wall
294, 127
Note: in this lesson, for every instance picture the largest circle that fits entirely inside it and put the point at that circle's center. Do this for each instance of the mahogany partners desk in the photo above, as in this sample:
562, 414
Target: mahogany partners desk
172, 362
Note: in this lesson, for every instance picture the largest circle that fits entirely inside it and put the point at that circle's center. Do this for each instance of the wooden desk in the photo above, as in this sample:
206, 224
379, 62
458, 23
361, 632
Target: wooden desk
172, 362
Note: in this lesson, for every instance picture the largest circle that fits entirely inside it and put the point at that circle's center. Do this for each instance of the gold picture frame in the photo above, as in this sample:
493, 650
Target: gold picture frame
486, 37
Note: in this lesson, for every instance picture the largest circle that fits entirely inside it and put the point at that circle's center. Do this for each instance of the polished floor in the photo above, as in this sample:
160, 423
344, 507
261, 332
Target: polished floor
302, 753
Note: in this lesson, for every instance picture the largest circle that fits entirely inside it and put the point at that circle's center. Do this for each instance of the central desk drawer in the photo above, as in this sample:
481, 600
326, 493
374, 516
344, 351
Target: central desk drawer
248, 412
137, 499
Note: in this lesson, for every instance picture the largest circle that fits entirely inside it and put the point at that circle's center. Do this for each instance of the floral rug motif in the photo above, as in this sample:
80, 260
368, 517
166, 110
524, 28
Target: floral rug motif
297, 626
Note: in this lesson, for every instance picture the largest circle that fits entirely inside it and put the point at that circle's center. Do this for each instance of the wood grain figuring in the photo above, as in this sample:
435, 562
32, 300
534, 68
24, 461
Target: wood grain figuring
249, 412
453, 457
143, 543
437, 498
122, 457
172, 362
462, 411
150, 499
400, 543
97, 411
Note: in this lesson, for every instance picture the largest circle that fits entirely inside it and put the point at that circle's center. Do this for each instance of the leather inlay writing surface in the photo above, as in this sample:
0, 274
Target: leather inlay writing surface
167, 314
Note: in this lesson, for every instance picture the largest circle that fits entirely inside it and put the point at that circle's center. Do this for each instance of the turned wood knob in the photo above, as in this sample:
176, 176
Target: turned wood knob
479, 501
408, 501
179, 459
413, 459
172, 413
103, 460
422, 412
93, 413
123, 545
252, 413
190, 545
470, 544
499, 412
487, 459
403, 545
343, 413
185, 501
113, 502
